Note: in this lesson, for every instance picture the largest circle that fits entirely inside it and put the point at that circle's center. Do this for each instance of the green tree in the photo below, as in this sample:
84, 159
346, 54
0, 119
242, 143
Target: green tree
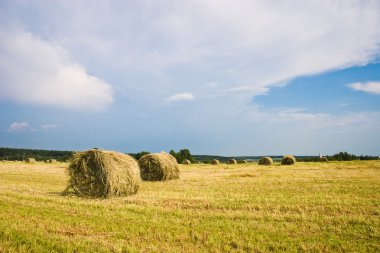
138, 155
173, 153
185, 154
182, 155
344, 156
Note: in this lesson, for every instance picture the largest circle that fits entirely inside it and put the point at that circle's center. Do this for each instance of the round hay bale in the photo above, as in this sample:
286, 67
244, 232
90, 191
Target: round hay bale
266, 161
52, 161
323, 159
186, 162
158, 167
30, 160
103, 174
232, 161
288, 160
244, 161
215, 162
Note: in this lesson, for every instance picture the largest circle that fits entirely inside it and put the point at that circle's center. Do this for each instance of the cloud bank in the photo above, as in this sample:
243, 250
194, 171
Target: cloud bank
34, 71
244, 46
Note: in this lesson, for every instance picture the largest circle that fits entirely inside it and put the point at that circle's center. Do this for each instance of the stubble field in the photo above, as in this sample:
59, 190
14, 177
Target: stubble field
308, 207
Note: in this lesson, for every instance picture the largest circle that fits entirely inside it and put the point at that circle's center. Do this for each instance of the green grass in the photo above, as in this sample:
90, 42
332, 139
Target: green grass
309, 207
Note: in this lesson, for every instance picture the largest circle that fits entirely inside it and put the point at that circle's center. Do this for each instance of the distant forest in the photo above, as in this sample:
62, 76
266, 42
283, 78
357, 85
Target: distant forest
14, 154
341, 156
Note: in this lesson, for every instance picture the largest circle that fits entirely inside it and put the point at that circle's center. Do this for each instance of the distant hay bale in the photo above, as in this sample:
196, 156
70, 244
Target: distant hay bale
46, 161
266, 161
323, 159
288, 160
158, 167
52, 161
30, 160
103, 174
232, 161
244, 161
186, 162
215, 162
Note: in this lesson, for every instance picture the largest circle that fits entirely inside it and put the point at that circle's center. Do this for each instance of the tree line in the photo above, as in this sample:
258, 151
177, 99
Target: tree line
14, 154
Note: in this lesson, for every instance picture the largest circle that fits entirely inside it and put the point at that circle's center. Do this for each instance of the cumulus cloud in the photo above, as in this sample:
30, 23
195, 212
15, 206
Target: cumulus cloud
185, 96
35, 71
18, 127
369, 87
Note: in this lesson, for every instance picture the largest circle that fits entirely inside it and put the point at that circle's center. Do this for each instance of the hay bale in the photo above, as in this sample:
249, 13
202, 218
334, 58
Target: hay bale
323, 159
158, 167
215, 162
30, 160
288, 160
103, 174
244, 161
266, 161
232, 161
186, 162
52, 161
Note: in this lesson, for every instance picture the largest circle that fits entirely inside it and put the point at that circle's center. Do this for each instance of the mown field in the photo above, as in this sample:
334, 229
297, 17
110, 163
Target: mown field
309, 207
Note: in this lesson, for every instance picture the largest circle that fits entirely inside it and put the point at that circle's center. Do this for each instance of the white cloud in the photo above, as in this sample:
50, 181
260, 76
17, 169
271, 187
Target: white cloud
18, 127
304, 121
49, 126
235, 43
369, 87
185, 96
244, 89
34, 71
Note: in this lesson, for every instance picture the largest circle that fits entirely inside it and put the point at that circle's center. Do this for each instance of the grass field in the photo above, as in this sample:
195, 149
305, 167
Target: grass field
309, 207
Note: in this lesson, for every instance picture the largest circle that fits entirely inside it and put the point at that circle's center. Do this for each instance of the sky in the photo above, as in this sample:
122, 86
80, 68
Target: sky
219, 77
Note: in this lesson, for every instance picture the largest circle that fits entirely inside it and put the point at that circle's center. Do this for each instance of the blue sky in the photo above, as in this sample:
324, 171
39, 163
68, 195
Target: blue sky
224, 77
